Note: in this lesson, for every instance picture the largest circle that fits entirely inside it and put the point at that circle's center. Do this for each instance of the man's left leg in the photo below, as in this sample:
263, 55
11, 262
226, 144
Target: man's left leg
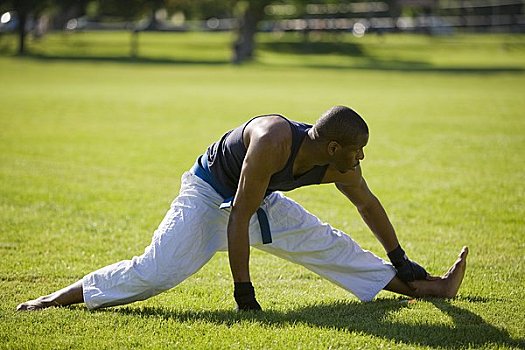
188, 236
69, 295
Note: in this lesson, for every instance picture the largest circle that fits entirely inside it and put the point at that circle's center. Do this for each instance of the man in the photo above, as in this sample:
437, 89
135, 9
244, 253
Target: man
230, 200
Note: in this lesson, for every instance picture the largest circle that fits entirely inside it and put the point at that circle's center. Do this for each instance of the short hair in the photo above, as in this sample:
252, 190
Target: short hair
341, 124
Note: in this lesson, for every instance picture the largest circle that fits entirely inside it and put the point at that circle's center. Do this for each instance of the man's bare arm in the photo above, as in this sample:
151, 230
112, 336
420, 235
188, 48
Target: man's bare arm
371, 210
268, 146
354, 187
253, 182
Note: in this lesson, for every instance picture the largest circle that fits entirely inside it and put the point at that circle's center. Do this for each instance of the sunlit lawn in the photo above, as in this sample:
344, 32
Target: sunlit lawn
93, 144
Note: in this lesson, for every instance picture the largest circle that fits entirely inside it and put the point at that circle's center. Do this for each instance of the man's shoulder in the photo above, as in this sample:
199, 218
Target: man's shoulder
271, 122
270, 129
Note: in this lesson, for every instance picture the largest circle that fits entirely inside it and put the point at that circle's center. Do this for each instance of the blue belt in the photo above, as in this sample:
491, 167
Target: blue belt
201, 170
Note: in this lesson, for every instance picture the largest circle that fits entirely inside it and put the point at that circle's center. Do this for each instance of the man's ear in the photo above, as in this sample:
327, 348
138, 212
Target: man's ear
333, 146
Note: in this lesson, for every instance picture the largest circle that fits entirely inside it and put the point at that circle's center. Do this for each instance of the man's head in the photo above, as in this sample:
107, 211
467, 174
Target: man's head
344, 133
341, 124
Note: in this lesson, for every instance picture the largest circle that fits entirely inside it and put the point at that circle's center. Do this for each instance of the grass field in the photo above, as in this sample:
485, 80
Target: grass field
93, 144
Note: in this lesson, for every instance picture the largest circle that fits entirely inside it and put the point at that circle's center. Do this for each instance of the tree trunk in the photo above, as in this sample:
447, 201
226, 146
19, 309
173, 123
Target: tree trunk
23, 8
22, 20
134, 52
244, 46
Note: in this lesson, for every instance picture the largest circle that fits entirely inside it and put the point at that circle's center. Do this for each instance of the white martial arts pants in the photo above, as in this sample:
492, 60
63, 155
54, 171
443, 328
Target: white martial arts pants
195, 228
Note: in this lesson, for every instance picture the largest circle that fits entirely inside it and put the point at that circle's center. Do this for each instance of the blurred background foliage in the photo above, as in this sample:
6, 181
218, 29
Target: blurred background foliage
247, 18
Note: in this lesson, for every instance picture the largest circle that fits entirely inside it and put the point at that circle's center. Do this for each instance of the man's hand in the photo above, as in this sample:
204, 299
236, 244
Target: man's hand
407, 270
244, 295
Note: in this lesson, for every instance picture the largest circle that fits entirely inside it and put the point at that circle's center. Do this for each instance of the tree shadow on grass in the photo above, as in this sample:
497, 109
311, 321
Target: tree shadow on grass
124, 59
359, 59
364, 62
317, 47
468, 329
421, 67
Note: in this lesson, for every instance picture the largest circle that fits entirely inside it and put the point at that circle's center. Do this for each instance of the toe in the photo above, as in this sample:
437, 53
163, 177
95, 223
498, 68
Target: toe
464, 252
22, 307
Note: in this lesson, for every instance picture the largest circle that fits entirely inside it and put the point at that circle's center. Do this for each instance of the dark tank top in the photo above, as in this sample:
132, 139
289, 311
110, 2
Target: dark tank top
225, 158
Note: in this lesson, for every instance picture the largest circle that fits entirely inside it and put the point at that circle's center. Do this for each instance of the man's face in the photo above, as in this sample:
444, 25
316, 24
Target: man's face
348, 158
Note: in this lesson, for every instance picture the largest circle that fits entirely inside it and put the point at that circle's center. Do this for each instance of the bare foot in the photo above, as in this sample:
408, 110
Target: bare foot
36, 304
72, 294
455, 274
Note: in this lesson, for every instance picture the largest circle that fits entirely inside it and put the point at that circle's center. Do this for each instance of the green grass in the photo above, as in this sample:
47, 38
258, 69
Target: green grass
92, 146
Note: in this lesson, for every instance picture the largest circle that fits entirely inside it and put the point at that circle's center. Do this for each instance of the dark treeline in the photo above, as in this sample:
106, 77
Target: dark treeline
248, 14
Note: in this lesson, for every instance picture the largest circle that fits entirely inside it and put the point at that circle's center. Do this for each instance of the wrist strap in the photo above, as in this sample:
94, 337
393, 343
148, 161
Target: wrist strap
397, 256
243, 293
243, 288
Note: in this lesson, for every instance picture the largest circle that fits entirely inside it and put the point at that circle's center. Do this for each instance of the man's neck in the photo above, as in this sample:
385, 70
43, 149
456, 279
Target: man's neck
309, 155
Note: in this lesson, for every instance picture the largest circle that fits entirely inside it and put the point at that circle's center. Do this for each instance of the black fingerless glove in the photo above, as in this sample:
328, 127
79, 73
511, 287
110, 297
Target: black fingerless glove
244, 295
407, 270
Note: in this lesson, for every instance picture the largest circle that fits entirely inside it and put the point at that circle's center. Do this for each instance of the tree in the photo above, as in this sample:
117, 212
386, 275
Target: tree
24, 9
32, 9
253, 13
249, 14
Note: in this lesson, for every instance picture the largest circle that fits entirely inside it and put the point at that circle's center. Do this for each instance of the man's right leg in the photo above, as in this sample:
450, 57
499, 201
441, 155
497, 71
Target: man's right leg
446, 286
302, 238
